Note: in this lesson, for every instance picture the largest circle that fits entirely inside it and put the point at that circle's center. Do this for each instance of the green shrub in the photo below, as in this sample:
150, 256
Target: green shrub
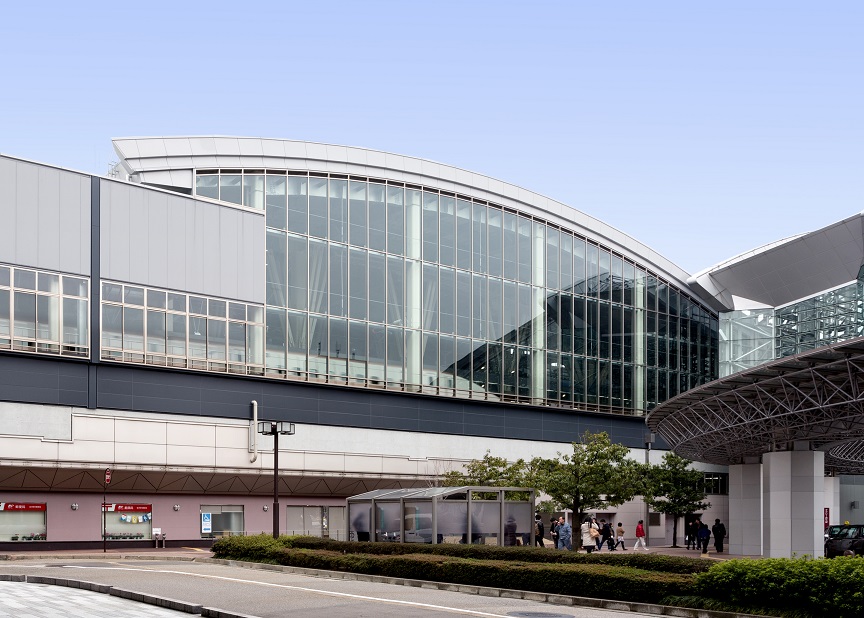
257, 548
650, 562
816, 587
588, 580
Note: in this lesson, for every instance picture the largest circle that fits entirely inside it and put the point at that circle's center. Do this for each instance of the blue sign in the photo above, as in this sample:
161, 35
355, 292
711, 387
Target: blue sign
206, 523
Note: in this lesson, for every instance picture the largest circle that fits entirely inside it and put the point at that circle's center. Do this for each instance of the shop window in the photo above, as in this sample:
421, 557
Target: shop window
218, 520
23, 521
128, 522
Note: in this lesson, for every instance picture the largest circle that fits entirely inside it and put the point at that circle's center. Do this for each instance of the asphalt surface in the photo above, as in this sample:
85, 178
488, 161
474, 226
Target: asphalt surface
175, 574
255, 592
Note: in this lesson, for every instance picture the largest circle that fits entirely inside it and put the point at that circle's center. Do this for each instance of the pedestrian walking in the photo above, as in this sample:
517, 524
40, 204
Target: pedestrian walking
553, 532
719, 532
640, 537
690, 534
587, 539
565, 534
538, 530
606, 534
704, 537
594, 531
619, 537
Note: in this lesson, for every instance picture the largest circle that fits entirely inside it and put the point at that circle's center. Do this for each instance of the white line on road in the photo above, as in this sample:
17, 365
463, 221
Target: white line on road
301, 588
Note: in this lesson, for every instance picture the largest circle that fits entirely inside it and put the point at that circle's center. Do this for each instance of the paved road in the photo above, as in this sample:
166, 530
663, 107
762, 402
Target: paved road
274, 594
20, 600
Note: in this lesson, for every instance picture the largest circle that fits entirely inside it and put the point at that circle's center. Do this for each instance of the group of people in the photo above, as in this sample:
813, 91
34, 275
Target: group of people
595, 535
698, 534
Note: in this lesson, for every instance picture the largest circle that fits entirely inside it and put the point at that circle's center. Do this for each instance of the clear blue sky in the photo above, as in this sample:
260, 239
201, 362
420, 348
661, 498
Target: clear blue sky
701, 128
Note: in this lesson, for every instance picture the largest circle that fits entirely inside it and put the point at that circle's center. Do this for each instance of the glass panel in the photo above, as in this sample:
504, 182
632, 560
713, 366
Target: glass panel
447, 230
49, 283
447, 301
236, 342
133, 296
5, 313
377, 218
339, 210
357, 214
604, 281
176, 334
395, 220
338, 280
25, 279
274, 339
479, 240
496, 260
463, 234
357, 284
377, 288
511, 256
387, 521
579, 260
237, 311
430, 227
616, 277
360, 521
552, 266
297, 342
318, 272
511, 312
112, 326
297, 203
485, 522
478, 307
395, 291
395, 356
156, 332
155, 299
377, 354
524, 248
217, 308
591, 283
276, 203
338, 354
430, 297
48, 318
418, 522
463, 303
566, 281
74, 320
197, 337
5, 276
447, 361
318, 207
133, 329
176, 302
216, 339
207, 186
430, 359
253, 191
229, 188
495, 315
297, 273
413, 223
358, 346
453, 522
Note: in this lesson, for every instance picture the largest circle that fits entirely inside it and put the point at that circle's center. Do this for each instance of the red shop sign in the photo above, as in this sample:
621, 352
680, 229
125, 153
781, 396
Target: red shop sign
127, 508
22, 506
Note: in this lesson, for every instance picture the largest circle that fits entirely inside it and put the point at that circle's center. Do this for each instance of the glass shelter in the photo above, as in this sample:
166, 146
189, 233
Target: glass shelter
479, 515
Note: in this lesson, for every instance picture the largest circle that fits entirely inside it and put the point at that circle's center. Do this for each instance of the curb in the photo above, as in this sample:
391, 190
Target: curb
150, 599
540, 597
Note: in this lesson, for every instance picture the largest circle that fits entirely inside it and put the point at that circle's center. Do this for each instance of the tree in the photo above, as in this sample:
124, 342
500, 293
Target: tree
598, 474
492, 471
673, 488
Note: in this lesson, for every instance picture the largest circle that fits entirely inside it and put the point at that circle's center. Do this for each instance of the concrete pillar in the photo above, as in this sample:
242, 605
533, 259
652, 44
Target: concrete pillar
745, 509
793, 498
832, 499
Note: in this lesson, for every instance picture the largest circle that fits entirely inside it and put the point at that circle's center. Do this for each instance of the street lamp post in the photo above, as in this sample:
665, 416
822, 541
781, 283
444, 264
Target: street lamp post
275, 429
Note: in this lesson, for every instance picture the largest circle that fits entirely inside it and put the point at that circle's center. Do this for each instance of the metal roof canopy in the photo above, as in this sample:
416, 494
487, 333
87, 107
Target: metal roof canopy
816, 396
481, 514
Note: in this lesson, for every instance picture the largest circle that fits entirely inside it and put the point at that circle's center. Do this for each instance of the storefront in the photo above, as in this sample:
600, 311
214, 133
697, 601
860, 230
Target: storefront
128, 522
23, 521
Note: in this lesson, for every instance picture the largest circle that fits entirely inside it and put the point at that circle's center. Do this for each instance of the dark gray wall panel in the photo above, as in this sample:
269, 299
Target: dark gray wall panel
47, 380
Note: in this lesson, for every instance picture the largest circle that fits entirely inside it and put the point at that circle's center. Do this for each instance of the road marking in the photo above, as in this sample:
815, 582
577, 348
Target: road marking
300, 588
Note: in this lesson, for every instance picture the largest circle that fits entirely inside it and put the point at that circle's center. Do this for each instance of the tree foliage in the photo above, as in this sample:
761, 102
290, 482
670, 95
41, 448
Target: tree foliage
491, 471
675, 489
596, 475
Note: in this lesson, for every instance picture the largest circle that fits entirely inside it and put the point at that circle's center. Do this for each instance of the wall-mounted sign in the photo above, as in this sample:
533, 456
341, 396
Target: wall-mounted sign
206, 523
133, 508
22, 506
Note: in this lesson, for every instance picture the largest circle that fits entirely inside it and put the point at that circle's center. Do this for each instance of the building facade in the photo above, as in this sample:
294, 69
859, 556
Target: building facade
407, 315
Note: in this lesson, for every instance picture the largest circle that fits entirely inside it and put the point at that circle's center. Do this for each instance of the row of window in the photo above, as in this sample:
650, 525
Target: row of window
435, 227
43, 312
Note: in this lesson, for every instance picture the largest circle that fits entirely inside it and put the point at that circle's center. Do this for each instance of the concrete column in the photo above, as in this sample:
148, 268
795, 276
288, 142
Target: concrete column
793, 502
832, 499
745, 509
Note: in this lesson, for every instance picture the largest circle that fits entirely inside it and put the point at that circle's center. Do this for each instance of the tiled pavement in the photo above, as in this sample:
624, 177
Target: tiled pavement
26, 600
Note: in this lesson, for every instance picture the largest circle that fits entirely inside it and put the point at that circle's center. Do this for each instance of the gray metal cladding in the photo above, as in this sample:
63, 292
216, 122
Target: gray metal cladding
45, 215
156, 238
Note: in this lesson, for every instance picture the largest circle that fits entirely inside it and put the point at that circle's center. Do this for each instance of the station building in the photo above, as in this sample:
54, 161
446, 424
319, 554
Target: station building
406, 315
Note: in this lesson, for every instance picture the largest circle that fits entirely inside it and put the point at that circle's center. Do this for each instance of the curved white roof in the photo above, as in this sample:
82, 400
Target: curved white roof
169, 161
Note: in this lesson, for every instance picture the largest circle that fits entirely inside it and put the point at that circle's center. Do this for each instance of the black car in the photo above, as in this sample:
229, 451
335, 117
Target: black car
844, 540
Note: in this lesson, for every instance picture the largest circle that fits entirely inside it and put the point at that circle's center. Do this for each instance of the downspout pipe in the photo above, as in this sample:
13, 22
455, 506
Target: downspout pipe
253, 433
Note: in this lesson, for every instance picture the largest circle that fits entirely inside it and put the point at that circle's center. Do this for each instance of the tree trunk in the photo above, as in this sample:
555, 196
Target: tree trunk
577, 538
675, 531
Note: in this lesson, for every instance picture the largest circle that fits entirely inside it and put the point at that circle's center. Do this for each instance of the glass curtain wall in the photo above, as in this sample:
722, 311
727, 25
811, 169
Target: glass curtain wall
388, 285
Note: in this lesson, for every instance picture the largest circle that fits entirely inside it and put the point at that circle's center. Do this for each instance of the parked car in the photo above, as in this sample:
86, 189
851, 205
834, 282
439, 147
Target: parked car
845, 540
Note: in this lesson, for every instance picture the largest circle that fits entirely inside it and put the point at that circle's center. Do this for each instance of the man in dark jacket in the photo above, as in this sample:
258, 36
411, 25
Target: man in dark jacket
606, 534
538, 530
719, 532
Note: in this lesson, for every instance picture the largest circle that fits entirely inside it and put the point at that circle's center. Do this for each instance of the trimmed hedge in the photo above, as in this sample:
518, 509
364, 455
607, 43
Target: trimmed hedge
597, 580
797, 586
650, 562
